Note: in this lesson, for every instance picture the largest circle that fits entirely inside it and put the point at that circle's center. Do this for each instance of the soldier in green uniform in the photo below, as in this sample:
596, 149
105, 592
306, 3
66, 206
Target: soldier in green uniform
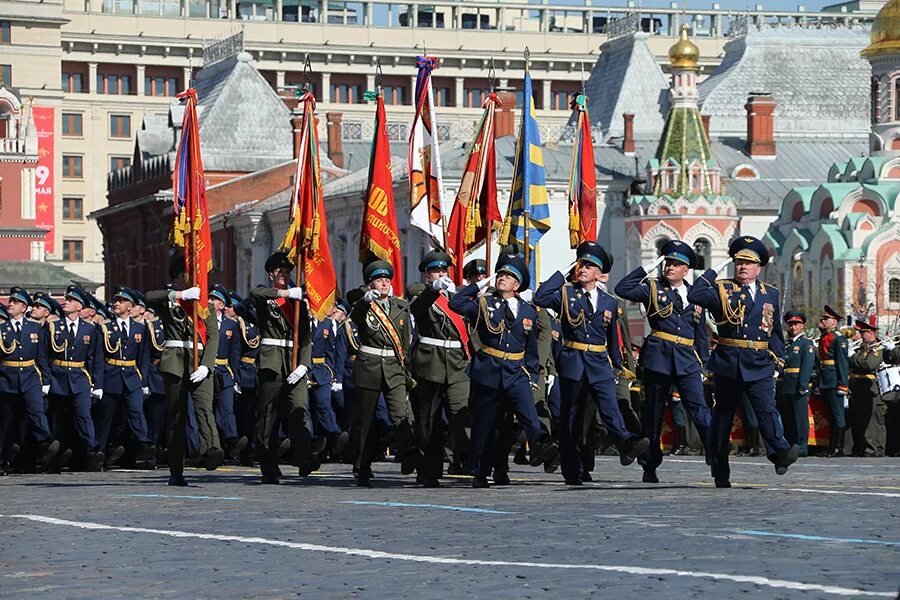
438, 363
282, 387
179, 376
832, 381
866, 414
794, 379
384, 336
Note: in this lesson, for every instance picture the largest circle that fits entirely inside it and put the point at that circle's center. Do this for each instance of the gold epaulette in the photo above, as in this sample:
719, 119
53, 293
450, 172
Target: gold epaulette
152, 331
53, 345
251, 343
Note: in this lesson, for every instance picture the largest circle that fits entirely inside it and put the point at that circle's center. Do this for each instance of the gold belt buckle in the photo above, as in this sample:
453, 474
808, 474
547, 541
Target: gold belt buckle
506, 356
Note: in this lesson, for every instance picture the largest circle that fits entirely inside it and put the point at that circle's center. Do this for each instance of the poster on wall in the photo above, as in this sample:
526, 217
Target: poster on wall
43, 174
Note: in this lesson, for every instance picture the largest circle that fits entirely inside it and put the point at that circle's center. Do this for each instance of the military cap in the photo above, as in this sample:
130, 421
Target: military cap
435, 260
140, 299
341, 304
73, 292
594, 253
105, 311
4, 314
749, 248
235, 297
44, 299
830, 312
176, 266
123, 292
863, 326
278, 260
92, 302
376, 269
476, 266
220, 292
515, 266
678, 250
20, 294
355, 295
414, 289
794, 316
515, 248
244, 309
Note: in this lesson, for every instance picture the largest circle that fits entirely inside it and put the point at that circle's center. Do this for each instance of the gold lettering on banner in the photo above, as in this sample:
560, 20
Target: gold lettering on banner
378, 201
383, 228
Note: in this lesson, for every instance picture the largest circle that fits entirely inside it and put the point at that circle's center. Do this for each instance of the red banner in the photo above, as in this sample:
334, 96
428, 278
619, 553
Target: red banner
43, 174
582, 181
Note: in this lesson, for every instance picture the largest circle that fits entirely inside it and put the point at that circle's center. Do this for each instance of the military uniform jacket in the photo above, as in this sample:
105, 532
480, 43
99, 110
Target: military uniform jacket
581, 325
177, 326
740, 318
120, 348
157, 347
346, 348
85, 347
324, 353
499, 329
30, 346
661, 301
556, 343
864, 364
368, 368
274, 325
249, 351
229, 352
799, 357
430, 362
832, 364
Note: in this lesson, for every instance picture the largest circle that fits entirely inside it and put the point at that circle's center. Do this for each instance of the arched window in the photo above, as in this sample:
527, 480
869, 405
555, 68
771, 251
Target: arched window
703, 250
875, 90
894, 290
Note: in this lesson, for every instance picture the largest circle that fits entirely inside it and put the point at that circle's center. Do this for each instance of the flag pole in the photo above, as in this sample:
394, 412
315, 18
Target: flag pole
299, 258
196, 303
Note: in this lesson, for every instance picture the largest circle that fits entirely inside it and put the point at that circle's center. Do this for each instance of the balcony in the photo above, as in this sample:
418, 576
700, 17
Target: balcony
18, 149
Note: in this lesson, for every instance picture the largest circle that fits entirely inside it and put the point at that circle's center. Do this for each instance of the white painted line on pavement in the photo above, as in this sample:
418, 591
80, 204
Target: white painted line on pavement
809, 491
443, 560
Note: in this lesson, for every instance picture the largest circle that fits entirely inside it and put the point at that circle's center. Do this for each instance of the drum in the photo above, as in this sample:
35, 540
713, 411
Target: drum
888, 378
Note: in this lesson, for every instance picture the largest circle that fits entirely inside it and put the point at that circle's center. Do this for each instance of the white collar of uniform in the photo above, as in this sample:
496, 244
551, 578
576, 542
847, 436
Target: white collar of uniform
513, 304
797, 337
69, 322
126, 320
20, 321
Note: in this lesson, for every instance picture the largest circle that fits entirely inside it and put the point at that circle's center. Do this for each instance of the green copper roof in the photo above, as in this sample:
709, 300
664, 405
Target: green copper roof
684, 141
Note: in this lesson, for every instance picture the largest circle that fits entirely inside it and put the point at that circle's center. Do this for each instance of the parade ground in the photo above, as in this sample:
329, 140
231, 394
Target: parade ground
827, 529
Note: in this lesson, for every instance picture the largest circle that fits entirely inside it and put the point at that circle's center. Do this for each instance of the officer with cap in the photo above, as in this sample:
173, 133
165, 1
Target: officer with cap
384, 333
175, 310
347, 348
245, 377
506, 367
866, 412
833, 383
76, 376
282, 386
438, 362
4, 314
675, 352
794, 380
155, 403
43, 306
225, 385
322, 379
475, 270
750, 347
126, 350
589, 360
23, 366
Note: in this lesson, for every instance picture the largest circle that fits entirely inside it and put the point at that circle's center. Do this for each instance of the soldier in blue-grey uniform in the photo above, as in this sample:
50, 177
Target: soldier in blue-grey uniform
155, 403
749, 349
322, 380
794, 380
675, 353
586, 368
225, 385
246, 375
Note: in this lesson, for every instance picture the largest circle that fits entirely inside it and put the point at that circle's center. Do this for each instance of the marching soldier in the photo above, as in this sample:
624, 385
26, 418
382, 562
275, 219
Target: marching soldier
225, 384
322, 378
155, 403
832, 379
43, 307
475, 270
76, 376
23, 367
586, 366
750, 345
282, 386
384, 336
675, 352
793, 382
246, 379
179, 376
438, 362
866, 405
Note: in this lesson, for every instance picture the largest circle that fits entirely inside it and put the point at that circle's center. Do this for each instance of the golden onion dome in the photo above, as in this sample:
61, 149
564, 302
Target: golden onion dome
684, 54
885, 30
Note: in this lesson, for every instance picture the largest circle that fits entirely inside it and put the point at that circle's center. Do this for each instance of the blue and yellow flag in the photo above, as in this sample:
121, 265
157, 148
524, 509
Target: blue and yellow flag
528, 199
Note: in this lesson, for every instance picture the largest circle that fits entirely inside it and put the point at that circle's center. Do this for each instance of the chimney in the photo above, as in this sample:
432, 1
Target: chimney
335, 134
505, 117
628, 136
297, 124
705, 119
760, 126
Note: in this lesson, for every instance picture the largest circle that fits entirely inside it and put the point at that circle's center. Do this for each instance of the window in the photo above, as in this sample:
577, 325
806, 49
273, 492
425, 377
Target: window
5, 32
118, 162
117, 85
394, 94
347, 93
120, 126
442, 96
6, 74
160, 86
73, 250
71, 165
559, 100
73, 209
71, 124
474, 97
73, 83
894, 290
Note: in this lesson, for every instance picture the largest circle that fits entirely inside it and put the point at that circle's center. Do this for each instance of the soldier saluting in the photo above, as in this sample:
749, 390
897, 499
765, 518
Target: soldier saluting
793, 383
750, 345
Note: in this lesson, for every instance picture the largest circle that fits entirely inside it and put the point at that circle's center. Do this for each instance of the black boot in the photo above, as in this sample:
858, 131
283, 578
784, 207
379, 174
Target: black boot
679, 449
752, 441
839, 434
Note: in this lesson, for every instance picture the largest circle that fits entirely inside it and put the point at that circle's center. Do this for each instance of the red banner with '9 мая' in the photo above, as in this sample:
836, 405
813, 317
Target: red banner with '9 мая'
43, 174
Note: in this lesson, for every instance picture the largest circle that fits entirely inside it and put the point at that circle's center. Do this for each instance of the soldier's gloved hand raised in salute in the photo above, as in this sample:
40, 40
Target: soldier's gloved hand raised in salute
444, 283
297, 374
371, 295
192, 293
652, 266
200, 374
526, 295
721, 266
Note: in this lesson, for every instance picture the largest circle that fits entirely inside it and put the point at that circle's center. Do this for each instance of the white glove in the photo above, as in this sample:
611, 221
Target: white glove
97, 393
652, 267
45, 389
850, 351
721, 266
371, 295
486, 281
526, 295
390, 291
237, 388
444, 283
888, 345
551, 379
297, 374
146, 392
846, 401
337, 387
295, 293
190, 294
200, 374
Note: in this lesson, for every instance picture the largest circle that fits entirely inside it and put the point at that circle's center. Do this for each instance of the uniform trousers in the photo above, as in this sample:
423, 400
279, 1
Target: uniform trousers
274, 395
428, 400
658, 390
399, 413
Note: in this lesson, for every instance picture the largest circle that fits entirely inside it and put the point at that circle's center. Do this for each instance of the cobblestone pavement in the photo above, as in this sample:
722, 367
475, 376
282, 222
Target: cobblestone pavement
827, 529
